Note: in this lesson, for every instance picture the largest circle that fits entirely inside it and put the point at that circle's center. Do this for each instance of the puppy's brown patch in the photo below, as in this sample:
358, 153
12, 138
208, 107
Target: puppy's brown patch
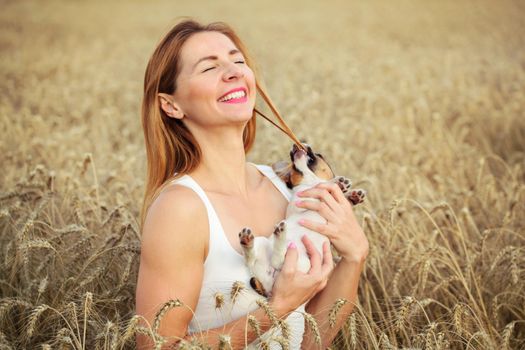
322, 169
258, 287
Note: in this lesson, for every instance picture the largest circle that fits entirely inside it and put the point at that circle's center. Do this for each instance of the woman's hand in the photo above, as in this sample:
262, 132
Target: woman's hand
292, 287
341, 227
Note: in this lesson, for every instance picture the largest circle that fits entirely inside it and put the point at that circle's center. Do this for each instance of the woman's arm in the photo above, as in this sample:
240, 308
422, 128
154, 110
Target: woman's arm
349, 240
342, 284
291, 289
171, 267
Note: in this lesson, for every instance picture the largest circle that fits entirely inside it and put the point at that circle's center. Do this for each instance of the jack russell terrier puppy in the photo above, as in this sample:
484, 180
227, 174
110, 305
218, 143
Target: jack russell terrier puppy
265, 256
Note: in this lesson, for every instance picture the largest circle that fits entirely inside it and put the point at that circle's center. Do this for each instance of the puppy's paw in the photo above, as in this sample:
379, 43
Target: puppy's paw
246, 238
279, 228
356, 196
343, 183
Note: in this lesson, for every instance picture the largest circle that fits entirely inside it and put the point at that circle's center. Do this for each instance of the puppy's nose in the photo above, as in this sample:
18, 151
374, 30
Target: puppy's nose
298, 154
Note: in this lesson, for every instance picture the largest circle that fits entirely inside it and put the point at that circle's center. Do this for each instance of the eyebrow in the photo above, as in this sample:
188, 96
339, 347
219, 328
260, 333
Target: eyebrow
213, 57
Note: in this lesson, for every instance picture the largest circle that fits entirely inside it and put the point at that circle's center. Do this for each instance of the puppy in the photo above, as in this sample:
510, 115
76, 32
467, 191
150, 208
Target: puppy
265, 256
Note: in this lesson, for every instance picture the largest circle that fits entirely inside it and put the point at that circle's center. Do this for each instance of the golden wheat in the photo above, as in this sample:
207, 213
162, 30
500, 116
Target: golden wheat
311, 324
412, 100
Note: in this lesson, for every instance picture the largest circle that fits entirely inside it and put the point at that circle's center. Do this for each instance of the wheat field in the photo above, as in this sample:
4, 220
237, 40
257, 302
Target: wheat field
421, 103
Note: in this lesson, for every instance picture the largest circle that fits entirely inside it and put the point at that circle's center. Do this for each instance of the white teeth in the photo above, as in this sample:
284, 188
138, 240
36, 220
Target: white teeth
236, 94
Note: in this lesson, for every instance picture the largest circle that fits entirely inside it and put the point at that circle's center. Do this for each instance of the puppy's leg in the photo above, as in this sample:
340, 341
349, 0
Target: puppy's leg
343, 182
246, 239
279, 245
356, 196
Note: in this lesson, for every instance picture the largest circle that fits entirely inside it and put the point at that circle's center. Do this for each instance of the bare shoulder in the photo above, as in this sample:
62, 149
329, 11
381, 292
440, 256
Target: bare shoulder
173, 248
177, 216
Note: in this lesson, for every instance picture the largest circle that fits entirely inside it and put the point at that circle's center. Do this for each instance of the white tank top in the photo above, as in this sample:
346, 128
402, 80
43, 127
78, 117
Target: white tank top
223, 267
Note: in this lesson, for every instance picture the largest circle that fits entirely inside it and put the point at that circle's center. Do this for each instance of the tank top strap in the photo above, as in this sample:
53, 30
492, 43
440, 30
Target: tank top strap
216, 234
187, 181
268, 171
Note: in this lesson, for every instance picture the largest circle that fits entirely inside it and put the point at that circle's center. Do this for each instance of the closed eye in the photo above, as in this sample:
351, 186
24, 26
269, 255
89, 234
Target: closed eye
214, 67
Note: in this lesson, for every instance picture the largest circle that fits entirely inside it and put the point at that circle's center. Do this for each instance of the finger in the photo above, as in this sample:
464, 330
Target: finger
328, 259
321, 194
313, 254
319, 206
321, 228
290, 260
334, 190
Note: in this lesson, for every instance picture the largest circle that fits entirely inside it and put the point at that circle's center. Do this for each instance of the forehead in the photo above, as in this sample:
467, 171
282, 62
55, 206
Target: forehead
204, 44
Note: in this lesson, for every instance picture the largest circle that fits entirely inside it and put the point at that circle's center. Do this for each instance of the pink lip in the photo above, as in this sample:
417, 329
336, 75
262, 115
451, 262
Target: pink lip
236, 100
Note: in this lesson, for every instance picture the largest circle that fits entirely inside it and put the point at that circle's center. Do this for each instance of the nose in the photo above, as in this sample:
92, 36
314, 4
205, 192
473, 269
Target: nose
233, 71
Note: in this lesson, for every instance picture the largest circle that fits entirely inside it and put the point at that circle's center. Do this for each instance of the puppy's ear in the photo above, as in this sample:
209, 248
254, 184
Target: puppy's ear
283, 170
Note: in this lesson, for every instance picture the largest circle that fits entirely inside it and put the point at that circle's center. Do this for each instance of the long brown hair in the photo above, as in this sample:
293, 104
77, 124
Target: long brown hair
170, 146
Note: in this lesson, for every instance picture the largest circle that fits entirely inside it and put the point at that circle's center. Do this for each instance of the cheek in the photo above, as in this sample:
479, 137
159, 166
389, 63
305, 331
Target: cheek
250, 79
199, 97
202, 89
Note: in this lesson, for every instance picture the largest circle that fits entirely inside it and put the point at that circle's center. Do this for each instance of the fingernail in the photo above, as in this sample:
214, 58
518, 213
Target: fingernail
299, 193
302, 221
298, 202
292, 245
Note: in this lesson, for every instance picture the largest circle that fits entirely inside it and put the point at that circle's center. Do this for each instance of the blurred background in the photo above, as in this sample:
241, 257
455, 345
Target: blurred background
421, 103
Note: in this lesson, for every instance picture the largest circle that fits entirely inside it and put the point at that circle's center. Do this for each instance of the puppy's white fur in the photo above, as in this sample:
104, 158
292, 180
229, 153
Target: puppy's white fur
266, 257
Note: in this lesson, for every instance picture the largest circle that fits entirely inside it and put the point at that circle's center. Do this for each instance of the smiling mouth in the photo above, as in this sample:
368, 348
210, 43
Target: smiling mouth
234, 96
236, 100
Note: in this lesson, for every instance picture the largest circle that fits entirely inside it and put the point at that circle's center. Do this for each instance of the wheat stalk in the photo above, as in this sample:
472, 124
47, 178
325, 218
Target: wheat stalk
264, 345
4, 343
88, 302
401, 317
33, 318
284, 343
312, 325
514, 270
336, 307
285, 329
385, 342
500, 255
163, 310
236, 290
225, 342
7, 303
63, 337
219, 300
131, 328
254, 324
505, 336
353, 330
110, 335
42, 286
459, 312
268, 310
430, 335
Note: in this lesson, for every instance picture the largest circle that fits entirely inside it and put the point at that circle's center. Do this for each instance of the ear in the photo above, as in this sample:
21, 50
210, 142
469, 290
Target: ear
169, 106
284, 171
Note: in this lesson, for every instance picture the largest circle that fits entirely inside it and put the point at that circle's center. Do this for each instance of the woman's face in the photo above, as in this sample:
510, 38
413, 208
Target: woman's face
201, 82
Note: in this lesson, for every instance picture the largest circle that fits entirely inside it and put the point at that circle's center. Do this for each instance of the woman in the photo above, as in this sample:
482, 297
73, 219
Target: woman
201, 192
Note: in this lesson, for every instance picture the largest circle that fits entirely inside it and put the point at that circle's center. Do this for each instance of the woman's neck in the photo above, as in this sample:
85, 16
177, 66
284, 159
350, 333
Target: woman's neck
223, 167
